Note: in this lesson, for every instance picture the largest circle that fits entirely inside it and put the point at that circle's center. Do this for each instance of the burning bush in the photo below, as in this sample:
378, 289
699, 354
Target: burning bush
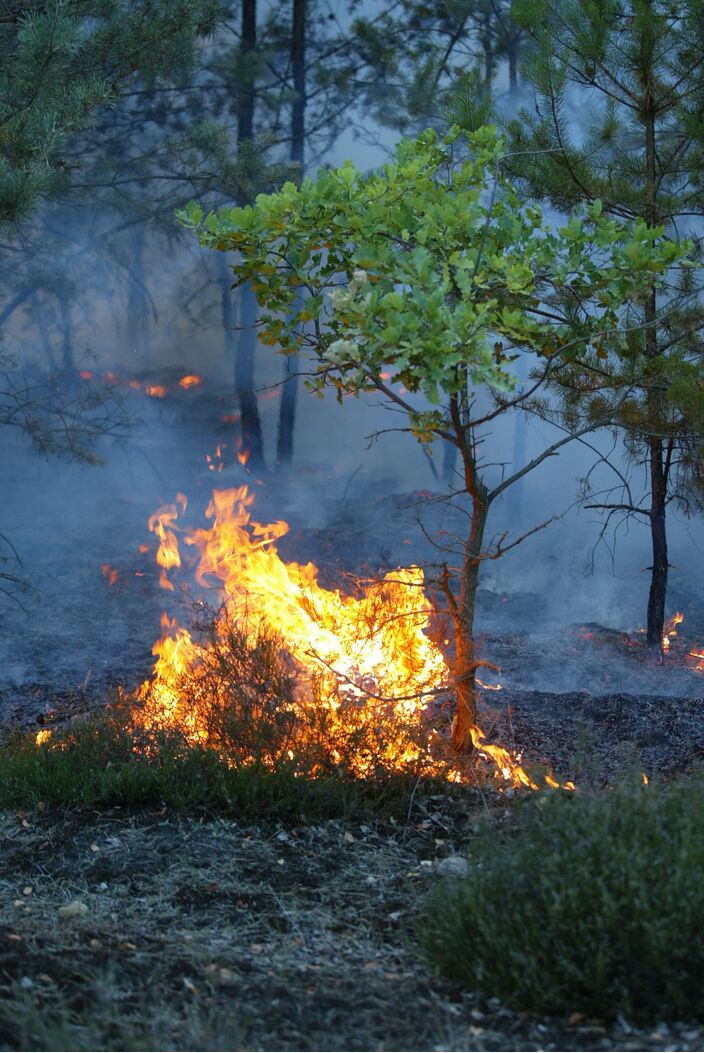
593, 904
243, 695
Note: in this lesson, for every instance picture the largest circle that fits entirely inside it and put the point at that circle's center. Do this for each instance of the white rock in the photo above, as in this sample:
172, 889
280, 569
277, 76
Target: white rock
453, 866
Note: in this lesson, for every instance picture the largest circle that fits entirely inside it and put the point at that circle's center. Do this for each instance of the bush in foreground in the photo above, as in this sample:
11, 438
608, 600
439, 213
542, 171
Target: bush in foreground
592, 904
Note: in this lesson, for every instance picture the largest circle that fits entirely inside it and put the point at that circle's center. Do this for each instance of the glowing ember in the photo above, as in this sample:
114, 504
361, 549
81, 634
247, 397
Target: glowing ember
367, 673
156, 391
242, 453
111, 573
191, 380
42, 736
216, 461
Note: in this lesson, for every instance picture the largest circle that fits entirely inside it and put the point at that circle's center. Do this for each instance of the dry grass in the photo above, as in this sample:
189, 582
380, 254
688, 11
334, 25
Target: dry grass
219, 935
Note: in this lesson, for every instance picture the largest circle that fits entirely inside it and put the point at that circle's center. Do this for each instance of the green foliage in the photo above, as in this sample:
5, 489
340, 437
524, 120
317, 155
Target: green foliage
588, 903
62, 63
636, 67
102, 762
429, 268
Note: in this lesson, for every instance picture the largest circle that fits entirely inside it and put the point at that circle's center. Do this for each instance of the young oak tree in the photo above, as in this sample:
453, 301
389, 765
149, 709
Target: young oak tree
431, 272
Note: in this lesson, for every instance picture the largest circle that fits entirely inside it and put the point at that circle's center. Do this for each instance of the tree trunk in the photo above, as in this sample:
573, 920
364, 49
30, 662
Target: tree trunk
289, 393
655, 445
250, 421
658, 577
137, 298
465, 657
246, 346
512, 54
488, 52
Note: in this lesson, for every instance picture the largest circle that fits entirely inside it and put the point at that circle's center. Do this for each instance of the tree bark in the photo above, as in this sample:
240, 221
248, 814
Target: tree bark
250, 421
465, 656
246, 346
289, 392
512, 54
463, 610
137, 300
654, 402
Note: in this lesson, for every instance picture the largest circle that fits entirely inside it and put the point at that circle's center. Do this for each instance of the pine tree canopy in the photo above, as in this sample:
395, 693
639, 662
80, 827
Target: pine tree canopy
64, 61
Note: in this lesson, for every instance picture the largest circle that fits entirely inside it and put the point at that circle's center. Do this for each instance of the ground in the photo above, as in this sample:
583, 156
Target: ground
183, 934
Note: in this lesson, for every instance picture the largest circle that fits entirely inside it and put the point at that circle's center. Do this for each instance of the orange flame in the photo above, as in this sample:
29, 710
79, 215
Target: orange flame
111, 573
191, 380
670, 629
369, 655
242, 453
156, 391
162, 523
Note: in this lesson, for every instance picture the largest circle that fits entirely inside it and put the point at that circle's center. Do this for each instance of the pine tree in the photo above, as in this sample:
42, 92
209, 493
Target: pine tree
632, 70
62, 63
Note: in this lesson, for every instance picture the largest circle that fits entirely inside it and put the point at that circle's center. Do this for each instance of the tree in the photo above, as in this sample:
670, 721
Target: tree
63, 62
431, 273
638, 67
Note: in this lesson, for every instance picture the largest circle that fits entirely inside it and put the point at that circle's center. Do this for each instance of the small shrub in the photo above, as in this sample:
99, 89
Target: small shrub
104, 762
592, 904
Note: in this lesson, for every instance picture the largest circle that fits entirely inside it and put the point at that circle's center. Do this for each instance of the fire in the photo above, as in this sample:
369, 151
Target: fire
216, 461
191, 380
156, 391
167, 554
242, 453
670, 629
111, 573
367, 673
42, 736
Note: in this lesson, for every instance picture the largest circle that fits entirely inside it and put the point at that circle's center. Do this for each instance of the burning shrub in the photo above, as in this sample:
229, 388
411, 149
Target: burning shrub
241, 694
592, 904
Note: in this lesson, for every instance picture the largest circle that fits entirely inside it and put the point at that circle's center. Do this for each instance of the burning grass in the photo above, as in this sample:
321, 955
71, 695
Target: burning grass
586, 904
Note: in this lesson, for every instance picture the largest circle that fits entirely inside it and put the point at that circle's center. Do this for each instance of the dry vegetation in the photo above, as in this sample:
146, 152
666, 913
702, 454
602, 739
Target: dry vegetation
215, 934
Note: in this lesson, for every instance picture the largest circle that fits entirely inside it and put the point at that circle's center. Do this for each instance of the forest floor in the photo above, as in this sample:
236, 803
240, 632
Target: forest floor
152, 931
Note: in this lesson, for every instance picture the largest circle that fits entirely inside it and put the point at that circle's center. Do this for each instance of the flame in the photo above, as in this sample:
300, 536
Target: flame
162, 523
366, 663
216, 461
156, 391
670, 629
191, 380
85, 374
42, 736
111, 573
242, 453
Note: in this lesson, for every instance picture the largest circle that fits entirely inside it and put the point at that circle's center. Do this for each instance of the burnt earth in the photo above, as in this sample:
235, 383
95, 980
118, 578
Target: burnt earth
217, 935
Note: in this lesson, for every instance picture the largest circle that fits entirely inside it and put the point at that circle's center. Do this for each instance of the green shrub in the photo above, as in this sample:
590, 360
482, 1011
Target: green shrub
588, 903
103, 762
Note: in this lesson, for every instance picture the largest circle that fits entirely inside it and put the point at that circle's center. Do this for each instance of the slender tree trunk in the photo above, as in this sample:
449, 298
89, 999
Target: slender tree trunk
464, 609
488, 52
39, 315
658, 534
250, 421
246, 346
512, 54
137, 299
289, 393
655, 445
465, 656
66, 334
